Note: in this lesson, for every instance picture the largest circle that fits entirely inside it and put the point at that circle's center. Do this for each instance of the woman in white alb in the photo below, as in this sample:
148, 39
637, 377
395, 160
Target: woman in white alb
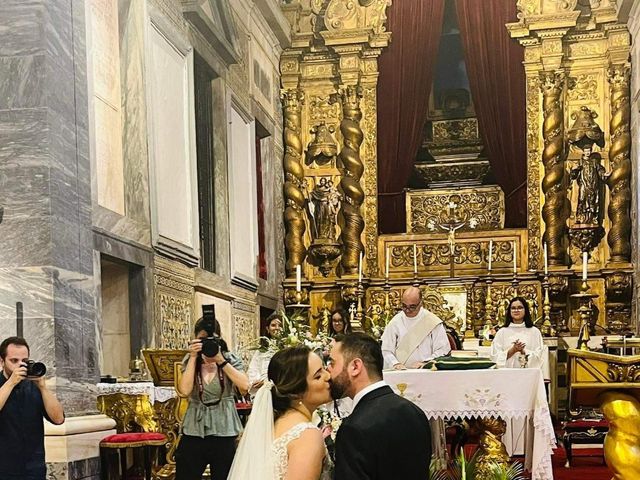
257, 371
280, 441
518, 344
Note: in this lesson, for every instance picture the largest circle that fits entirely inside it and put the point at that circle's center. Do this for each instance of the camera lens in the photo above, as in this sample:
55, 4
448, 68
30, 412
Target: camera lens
210, 346
36, 369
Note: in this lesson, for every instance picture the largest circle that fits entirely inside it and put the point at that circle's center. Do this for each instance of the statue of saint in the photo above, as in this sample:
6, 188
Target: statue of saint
324, 207
590, 176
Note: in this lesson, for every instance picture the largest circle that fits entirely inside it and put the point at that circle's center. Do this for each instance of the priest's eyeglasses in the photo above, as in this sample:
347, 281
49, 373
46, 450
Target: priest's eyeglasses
410, 308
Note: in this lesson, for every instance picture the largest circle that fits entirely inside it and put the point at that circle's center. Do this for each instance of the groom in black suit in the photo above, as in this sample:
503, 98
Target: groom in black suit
386, 437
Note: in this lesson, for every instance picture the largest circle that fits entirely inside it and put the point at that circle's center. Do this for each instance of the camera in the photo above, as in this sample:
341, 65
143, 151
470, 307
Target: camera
210, 344
35, 369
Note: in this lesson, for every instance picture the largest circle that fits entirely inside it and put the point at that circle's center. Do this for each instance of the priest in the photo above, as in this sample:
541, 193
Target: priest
414, 335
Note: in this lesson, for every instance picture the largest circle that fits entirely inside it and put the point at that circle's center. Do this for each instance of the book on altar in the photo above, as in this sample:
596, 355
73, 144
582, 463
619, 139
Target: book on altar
464, 353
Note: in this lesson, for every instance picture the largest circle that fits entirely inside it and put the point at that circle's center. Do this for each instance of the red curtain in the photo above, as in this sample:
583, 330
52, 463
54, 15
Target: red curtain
406, 72
497, 81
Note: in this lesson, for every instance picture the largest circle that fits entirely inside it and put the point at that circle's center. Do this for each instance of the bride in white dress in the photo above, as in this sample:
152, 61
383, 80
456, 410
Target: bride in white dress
280, 442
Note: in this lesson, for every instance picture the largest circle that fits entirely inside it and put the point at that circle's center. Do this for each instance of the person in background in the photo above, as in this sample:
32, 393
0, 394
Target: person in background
24, 402
519, 343
211, 423
339, 323
260, 361
414, 335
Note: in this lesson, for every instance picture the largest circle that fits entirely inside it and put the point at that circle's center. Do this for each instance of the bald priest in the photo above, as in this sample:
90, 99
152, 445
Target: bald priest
414, 335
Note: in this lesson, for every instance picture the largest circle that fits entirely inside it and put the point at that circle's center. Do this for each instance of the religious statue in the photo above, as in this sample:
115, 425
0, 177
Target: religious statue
324, 206
590, 176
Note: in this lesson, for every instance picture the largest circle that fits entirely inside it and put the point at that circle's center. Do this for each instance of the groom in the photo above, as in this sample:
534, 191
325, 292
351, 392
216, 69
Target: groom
386, 436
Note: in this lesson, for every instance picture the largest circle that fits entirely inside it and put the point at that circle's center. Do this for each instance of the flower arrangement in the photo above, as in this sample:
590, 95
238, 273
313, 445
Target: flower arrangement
377, 319
292, 334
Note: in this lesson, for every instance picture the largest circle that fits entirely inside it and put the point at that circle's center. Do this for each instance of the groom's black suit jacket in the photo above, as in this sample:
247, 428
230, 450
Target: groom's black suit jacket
386, 437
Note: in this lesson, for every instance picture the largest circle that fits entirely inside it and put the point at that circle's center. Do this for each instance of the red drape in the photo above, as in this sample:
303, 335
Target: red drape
497, 81
406, 72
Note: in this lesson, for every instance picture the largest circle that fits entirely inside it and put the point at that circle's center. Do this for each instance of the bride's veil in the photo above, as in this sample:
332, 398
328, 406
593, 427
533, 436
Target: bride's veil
254, 457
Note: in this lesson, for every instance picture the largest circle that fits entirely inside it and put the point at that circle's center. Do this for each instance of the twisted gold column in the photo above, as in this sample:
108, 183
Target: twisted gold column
294, 180
553, 183
619, 182
622, 443
353, 169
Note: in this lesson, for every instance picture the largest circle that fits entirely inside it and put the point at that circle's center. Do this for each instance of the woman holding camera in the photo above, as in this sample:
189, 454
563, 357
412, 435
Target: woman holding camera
211, 423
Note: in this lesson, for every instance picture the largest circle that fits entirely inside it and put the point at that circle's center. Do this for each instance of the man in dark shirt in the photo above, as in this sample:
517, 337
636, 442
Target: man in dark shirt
24, 401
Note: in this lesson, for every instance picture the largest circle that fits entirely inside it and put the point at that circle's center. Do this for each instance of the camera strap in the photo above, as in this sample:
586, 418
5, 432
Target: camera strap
201, 387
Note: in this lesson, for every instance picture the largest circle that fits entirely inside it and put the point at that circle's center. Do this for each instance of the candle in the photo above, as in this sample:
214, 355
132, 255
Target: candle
360, 269
298, 278
585, 261
387, 264
515, 259
490, 253
546, 260
415, 259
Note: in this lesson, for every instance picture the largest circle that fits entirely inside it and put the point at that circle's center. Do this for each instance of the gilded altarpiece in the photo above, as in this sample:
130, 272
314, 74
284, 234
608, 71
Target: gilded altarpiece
576, 60
173, 303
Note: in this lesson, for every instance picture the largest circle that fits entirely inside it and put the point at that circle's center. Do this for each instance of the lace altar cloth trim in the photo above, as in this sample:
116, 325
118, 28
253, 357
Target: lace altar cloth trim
506, 393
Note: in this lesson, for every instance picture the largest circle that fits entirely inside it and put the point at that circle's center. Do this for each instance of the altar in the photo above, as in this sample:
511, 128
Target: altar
485, 394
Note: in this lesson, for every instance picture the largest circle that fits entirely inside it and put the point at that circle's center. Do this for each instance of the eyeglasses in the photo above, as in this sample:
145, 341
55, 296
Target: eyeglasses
517, 308
410, 308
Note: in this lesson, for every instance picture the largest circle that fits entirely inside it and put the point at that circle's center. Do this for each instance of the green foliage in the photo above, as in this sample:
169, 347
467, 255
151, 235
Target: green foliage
465, 469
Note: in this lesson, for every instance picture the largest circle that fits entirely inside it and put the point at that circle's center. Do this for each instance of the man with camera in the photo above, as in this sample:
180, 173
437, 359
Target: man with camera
24, 401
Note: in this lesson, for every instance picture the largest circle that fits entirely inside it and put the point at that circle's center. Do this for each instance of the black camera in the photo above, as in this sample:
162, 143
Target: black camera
35, 369
210, 344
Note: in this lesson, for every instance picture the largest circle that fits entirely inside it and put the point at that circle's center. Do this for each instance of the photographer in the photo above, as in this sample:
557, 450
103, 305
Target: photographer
211, 423
24, 401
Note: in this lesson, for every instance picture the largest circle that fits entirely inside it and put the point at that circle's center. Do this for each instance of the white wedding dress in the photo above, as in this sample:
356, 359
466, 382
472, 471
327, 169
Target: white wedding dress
282, 458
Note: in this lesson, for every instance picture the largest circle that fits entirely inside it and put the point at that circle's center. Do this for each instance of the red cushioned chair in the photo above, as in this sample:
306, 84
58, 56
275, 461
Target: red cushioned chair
148, 441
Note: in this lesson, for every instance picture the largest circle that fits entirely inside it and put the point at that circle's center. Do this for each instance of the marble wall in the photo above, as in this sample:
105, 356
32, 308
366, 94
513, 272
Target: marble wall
87, 177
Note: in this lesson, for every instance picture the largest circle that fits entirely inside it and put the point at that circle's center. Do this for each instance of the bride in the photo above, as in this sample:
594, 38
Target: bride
280, 441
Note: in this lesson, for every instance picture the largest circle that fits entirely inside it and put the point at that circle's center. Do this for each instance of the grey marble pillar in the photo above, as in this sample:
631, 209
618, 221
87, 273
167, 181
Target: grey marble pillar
45, 236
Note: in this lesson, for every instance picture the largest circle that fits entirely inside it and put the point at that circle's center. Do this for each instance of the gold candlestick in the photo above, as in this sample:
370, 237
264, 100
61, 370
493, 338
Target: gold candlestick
387, 299
358, 318
585, 310
488, 314
547, 328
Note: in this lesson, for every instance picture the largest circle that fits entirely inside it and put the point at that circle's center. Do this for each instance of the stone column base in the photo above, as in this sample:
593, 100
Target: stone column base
72, 450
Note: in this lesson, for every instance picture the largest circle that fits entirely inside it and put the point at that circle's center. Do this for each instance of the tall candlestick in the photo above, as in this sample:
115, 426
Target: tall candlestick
386, 271
515, 258
546, 260
415, 259
585, 261
490, 253
298, 278
360, 269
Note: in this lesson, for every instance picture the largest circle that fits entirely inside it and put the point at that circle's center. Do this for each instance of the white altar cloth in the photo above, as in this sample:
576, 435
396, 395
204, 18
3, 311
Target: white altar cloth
156, 394
506, 393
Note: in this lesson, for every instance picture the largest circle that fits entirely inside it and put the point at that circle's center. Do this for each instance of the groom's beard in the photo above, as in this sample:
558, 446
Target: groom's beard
339, 385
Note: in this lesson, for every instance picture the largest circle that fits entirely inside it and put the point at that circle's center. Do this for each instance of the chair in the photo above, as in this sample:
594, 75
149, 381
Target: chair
588, 427
120, 442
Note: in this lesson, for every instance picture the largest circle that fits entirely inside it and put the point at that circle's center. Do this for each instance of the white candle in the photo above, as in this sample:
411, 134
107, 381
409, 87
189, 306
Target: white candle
585, 261
515, 258
298, 278
415, 259
386, 271
546, 260
490, 253
360, 269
